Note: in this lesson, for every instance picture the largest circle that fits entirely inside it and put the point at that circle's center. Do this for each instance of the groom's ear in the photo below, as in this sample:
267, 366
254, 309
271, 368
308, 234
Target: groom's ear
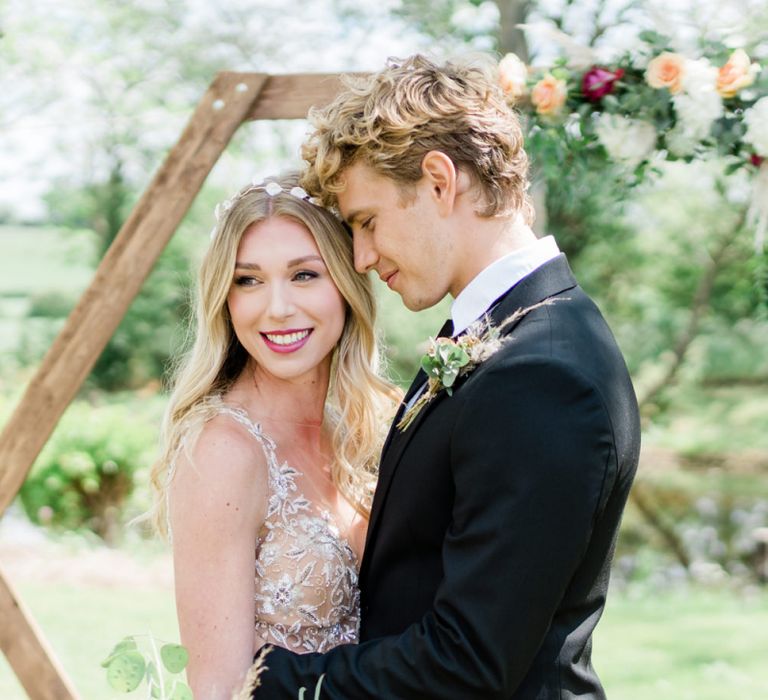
442, 179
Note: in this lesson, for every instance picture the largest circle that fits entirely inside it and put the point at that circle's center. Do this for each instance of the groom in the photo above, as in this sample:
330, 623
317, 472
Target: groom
497, 509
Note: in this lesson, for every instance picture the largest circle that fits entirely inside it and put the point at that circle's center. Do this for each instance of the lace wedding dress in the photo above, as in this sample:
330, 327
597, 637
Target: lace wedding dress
306, 572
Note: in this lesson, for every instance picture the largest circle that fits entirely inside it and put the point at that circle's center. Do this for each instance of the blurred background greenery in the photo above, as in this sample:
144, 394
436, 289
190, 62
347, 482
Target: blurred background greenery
94, 94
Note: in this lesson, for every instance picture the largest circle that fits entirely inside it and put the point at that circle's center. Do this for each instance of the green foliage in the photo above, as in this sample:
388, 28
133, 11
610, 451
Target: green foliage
100, 205
128, 665
175, 657
140, 349
50, 305
86, 472
444, 361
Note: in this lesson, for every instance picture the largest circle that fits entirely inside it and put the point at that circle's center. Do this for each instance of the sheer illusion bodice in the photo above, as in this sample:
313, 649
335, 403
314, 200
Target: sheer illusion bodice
306, 572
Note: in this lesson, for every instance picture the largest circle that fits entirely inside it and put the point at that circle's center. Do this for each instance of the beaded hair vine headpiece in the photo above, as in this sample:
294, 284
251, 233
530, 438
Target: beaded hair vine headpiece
272, 189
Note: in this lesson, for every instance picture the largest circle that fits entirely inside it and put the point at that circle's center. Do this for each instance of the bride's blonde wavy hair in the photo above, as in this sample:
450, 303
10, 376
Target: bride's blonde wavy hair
360, 402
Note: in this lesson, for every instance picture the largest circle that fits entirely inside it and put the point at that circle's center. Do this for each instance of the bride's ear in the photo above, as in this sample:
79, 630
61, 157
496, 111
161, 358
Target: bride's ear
443, 180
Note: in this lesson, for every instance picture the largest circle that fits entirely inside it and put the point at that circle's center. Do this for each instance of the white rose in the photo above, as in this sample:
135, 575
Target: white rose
700, 75
699, 104
681, 143
697, 112
756, 119
628, 141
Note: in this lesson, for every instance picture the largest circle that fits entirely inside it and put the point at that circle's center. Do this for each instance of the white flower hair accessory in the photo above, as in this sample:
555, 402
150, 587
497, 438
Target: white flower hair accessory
271, 188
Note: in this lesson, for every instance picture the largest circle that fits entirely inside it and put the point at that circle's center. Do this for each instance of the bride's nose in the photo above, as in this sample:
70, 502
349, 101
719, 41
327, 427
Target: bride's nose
281, 302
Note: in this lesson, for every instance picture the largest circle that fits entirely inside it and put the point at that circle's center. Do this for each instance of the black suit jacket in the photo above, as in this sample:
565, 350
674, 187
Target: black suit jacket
494, 521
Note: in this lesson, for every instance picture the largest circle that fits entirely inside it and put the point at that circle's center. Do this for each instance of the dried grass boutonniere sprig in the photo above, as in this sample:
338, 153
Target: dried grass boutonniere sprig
447, 359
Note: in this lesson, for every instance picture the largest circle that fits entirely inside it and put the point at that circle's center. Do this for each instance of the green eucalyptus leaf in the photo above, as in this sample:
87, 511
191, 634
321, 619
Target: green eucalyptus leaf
449, 377
175, 657
126, 671
181, 691
444, 351
429, 364
461, 356
124, 645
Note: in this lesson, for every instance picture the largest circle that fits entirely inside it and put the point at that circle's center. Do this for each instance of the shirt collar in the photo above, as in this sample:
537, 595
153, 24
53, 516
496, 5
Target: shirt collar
502, 274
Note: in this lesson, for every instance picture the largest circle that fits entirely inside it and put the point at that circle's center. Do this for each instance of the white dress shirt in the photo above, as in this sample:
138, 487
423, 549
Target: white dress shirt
502, 274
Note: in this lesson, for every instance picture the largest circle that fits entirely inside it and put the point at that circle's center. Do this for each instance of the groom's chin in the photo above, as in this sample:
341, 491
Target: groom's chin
415, 304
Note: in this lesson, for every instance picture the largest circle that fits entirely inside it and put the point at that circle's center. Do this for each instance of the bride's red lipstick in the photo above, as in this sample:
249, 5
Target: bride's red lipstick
300, 341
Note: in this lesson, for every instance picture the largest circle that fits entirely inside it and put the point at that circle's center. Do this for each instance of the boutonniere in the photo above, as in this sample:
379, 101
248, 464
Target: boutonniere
447, 359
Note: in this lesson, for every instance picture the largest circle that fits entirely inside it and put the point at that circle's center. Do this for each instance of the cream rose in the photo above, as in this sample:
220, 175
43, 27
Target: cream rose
736, 74
512, 76
666, 71
549, 94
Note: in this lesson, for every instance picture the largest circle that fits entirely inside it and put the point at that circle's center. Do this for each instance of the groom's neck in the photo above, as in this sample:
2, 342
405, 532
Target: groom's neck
486, 240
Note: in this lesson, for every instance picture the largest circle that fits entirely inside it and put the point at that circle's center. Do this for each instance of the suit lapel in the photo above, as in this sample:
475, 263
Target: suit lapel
549, 280
416, 384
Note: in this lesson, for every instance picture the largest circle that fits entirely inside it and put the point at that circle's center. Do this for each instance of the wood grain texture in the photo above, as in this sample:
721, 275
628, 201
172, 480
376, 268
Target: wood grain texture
30, 657
291, 96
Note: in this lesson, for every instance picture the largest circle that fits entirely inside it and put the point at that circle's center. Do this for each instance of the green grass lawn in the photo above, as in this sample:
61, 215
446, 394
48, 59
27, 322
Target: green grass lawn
698, 645
82, 624
35, 261
39, 259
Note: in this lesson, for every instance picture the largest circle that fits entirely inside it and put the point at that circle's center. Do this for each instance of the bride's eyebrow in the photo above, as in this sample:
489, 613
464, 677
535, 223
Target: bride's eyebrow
291, 263
306, 258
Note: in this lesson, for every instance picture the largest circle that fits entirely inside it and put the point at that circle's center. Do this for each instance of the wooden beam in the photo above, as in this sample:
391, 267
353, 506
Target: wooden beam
29, 655
291, 96
227, 103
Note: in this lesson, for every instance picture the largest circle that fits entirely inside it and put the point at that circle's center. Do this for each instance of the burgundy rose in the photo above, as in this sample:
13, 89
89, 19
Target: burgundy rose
599, 82
756, 160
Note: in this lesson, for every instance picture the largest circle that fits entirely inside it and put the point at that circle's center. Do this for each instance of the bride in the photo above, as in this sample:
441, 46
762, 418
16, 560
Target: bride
271, 439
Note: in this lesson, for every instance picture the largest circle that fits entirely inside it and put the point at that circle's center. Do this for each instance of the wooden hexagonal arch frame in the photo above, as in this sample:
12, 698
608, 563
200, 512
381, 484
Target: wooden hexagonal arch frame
231, 99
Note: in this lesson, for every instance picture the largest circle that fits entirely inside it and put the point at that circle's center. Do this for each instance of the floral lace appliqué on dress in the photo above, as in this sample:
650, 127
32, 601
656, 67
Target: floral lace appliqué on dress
307, 597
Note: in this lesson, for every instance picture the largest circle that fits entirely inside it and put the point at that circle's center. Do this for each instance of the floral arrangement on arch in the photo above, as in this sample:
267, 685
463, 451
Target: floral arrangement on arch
653, 104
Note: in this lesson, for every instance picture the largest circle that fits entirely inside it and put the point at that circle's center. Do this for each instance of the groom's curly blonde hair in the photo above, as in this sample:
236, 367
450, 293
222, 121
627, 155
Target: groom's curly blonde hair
391, 119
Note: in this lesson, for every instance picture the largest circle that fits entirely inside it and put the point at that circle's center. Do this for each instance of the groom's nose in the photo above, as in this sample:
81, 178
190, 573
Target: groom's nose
365, 252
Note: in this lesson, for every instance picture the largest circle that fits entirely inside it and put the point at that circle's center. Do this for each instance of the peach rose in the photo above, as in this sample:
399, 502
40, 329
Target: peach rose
666, 71
549, 94
512, 76
736, 74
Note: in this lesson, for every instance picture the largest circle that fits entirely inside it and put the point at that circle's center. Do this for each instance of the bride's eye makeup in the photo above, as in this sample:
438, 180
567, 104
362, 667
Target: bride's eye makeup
246, 281
305, 275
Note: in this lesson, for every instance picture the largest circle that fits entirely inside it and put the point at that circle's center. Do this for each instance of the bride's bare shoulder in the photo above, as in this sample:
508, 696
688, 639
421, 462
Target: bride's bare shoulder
223, 464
